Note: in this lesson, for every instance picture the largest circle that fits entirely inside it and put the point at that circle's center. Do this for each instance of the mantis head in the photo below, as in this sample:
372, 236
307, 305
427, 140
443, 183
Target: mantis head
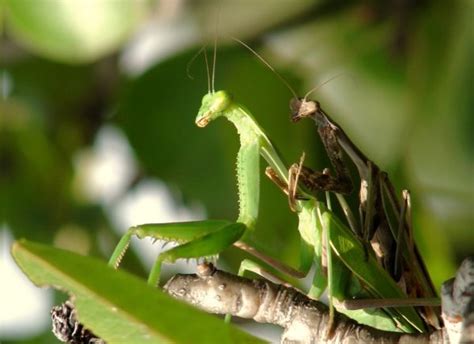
213, 106
302, 108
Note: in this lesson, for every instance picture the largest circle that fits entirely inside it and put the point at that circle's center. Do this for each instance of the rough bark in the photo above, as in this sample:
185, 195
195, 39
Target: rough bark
303, 320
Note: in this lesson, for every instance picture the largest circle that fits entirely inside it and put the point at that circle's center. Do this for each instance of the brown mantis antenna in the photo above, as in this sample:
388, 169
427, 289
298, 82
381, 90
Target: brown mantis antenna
322, 84
287, 84
268, 65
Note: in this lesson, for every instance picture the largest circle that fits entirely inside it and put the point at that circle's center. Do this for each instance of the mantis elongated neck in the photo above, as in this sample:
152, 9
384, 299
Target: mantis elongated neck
253, 142
249, 130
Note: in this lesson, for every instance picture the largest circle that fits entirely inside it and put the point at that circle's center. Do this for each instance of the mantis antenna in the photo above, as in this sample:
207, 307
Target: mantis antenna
214, 63
215, 51
208, 72
287, 84
188, 66
191, 61
322, 84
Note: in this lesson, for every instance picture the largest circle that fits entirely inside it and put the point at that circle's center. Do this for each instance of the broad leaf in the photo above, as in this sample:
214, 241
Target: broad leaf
117, 306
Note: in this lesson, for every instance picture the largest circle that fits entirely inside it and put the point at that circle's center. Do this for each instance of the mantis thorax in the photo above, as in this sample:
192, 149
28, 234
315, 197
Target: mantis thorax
219, 104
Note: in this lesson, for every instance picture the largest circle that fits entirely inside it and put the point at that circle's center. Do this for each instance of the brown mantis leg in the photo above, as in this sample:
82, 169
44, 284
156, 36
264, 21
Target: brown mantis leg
401, 232
418, 280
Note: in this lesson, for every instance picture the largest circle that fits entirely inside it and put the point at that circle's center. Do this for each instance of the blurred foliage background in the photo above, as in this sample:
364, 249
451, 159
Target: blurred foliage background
97, 109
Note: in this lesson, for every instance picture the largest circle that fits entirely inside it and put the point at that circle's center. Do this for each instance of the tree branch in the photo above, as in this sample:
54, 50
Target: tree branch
305, 320
457, 302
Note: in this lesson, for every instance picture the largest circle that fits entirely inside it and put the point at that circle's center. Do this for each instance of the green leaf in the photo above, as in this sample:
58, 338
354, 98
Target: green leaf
117, 306
73, 31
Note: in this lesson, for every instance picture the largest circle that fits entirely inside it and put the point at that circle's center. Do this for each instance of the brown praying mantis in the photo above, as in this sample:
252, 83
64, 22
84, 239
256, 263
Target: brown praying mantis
390, 236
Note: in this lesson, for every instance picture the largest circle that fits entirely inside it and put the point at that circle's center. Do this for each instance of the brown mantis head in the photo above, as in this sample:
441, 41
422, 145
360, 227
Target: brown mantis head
302, 108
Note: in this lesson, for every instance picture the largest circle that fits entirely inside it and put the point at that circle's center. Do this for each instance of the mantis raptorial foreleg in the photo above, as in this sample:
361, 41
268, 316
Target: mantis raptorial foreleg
165, 231
341, 182
208, 245
197, 239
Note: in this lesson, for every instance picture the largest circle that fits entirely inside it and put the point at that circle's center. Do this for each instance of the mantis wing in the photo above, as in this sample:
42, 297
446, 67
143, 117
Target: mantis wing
365, 267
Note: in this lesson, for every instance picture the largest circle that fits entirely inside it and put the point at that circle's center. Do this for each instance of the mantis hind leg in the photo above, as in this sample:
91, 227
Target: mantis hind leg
208, 245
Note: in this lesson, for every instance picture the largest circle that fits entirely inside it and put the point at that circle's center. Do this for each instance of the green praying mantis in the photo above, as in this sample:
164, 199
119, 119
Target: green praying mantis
318, 227
209, 238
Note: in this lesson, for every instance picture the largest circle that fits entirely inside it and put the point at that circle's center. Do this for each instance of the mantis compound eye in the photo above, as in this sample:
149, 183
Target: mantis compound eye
220, 101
